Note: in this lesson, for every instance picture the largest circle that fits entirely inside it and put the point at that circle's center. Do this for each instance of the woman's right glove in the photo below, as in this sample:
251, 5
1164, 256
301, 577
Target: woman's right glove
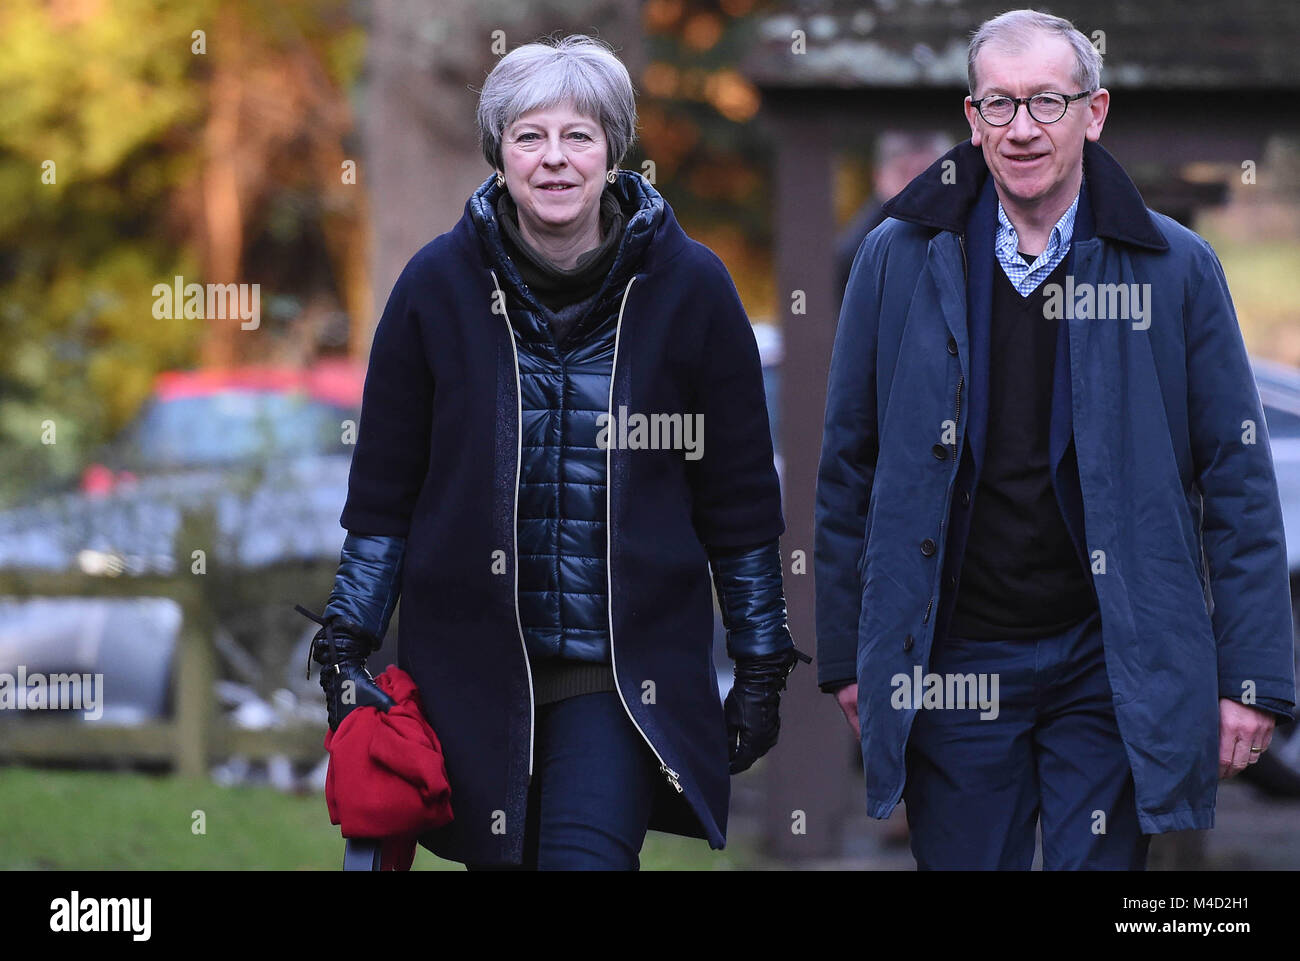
354, 623
341, 649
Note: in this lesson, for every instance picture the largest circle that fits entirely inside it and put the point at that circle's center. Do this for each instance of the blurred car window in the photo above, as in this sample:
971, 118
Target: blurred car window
234, 426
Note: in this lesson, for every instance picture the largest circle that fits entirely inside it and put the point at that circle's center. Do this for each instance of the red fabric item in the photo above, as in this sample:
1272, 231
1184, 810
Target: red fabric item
387, 778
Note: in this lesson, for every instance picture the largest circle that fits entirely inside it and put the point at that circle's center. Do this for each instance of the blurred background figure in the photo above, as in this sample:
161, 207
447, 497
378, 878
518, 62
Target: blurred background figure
900, 156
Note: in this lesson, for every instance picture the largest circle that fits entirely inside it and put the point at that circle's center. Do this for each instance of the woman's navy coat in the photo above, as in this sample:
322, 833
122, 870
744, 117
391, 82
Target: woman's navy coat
437, 462
1175, 496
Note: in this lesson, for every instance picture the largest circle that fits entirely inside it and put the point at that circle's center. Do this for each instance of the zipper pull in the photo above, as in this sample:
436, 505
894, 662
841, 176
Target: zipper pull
671, 775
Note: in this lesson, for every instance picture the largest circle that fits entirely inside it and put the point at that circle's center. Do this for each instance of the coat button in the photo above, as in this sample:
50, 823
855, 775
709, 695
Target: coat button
907, 643
952, 581
965, 498
927, 547
952, 346
939, 451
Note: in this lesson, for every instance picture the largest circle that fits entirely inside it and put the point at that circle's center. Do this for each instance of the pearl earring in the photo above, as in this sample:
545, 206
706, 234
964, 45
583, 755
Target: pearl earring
612, 175
501, 180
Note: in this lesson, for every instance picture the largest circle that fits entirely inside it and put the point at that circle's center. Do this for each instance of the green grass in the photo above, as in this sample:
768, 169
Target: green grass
116, 821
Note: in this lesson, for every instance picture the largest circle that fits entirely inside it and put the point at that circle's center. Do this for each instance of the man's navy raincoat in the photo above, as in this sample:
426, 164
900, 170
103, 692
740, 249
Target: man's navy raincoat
1160, 458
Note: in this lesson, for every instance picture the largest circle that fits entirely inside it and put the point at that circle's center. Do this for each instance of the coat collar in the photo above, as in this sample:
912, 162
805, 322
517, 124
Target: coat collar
1118, 210
649, 231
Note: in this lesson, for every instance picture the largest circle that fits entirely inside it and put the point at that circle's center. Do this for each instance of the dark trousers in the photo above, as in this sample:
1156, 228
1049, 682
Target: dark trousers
593, 782
977, 787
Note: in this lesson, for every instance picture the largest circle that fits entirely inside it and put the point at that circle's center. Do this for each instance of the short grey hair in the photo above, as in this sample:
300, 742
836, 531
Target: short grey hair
576, 69
1016, 29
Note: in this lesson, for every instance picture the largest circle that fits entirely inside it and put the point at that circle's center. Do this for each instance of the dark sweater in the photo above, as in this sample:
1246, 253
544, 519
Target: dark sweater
1021, 576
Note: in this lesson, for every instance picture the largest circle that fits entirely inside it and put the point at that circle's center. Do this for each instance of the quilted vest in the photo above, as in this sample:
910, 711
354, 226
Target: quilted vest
563, 389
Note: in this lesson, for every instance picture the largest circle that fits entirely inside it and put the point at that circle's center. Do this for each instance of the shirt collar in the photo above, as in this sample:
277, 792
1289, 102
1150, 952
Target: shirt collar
1061, 235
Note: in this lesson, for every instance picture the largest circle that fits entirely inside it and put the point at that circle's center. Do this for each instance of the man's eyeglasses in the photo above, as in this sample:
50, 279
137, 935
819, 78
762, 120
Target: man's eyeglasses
1048, 107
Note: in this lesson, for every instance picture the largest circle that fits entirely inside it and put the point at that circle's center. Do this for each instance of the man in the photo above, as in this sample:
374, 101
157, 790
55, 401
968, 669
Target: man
1051, 574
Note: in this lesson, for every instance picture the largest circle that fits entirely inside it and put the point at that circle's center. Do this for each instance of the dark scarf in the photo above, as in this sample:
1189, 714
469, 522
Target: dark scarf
554, 286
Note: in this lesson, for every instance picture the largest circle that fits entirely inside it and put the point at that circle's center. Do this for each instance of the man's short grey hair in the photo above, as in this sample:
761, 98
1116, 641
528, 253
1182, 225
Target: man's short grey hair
575, 69
1015, 30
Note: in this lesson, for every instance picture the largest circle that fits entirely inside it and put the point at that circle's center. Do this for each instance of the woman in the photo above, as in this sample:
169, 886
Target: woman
563, 426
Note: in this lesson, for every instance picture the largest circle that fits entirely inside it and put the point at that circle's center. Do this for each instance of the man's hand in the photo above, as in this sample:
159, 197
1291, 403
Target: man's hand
847, 698
1241, 727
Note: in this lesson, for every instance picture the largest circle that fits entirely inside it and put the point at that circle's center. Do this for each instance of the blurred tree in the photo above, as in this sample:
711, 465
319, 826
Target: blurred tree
133, 150
277, 131
709, 158
88, 158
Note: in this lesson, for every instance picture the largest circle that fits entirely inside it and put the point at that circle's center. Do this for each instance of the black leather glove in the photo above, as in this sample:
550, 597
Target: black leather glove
341, 648
753, 705
748, 581
366, 588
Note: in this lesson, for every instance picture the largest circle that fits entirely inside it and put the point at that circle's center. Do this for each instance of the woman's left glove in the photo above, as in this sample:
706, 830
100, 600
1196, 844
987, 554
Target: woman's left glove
750, 595
753, 705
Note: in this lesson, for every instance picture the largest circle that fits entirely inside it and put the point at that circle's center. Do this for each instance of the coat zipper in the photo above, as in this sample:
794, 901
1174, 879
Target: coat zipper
514, 530
664, 769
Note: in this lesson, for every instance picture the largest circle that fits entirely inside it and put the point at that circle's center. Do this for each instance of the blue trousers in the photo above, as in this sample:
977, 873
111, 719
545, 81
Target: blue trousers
976, 787
593, 783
